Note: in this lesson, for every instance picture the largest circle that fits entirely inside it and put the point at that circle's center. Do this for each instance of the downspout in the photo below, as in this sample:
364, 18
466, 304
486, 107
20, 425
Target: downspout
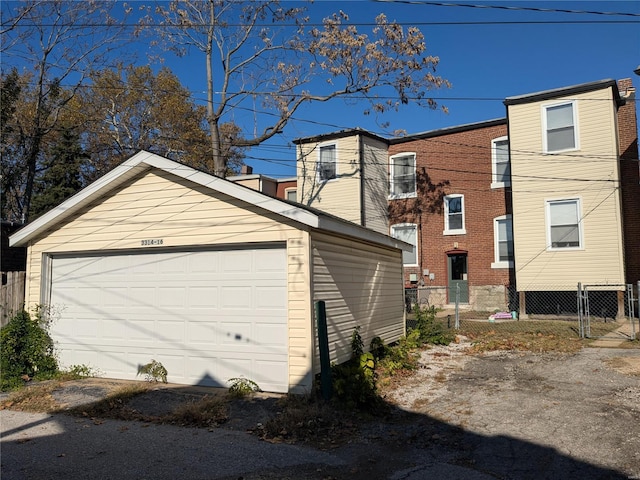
363, 217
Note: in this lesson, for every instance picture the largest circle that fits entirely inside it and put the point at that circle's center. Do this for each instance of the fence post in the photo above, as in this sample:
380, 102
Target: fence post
323, 344
457, 306
579, 305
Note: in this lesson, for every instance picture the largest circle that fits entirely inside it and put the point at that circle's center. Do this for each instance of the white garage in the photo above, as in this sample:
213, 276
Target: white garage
158, 261
209, 315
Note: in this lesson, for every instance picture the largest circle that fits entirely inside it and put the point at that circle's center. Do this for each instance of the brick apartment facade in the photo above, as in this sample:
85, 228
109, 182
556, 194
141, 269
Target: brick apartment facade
455, 161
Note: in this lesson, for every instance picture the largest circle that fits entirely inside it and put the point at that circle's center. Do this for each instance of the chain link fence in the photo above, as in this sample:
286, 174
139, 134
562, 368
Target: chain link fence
578, 311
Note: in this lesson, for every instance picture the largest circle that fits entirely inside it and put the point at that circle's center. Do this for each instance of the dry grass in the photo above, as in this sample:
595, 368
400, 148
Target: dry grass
209, 411
114, 405
310, 420
533, 336
35, 398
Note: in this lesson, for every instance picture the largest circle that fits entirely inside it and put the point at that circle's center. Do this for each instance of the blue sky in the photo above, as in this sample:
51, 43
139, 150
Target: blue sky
485, 62
489, 52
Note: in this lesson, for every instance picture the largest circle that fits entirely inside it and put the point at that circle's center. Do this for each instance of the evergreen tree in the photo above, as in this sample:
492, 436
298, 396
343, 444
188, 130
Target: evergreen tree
61, 176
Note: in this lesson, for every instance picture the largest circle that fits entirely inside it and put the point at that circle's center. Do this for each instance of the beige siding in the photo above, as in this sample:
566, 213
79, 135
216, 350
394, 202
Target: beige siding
253, 183
362, 286
376, 185
158, 205
300, 327
589, 174
339, 197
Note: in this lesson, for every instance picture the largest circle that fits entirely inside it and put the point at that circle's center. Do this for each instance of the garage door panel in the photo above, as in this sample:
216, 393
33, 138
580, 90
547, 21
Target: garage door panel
172, 296
207, 316
269, 262
270, 334
205, 297
236, 262
269, 298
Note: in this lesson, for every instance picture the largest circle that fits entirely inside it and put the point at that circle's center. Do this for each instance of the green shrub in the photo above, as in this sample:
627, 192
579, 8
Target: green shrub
27, 350
403, 356
354, 382
241, 387
430, 330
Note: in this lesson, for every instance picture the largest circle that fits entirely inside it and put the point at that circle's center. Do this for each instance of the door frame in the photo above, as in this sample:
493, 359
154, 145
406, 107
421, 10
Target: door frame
448, 255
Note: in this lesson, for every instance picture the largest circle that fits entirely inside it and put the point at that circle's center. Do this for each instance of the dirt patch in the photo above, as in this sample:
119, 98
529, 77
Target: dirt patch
625, 365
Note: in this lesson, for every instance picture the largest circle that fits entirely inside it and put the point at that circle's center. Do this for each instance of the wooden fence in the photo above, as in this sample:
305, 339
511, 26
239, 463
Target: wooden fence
11, 295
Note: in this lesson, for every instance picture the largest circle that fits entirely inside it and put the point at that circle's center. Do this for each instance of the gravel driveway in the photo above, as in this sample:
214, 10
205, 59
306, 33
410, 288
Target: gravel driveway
502, 415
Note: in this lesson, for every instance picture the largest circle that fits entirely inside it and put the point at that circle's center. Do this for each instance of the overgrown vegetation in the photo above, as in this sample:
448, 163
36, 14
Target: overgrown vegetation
27, 350
430, 330
153, 371
241, 387
354, 382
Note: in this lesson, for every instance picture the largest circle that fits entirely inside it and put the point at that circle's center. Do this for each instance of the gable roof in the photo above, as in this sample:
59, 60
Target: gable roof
145, 161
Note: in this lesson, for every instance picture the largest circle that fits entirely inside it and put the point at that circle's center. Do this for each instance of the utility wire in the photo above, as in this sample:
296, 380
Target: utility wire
506, 7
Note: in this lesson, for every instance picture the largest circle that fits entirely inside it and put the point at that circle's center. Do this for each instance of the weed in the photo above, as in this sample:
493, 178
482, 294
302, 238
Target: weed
153, 371
27, 350
77, 372
241, 387
354, 382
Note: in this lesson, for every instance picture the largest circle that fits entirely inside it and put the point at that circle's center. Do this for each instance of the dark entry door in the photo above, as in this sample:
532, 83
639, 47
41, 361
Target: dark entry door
457, 266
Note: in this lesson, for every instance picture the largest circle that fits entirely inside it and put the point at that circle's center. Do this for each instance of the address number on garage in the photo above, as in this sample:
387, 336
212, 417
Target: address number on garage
151, 241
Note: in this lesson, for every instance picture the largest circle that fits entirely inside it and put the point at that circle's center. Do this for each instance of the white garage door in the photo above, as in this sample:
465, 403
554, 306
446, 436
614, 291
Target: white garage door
207, 316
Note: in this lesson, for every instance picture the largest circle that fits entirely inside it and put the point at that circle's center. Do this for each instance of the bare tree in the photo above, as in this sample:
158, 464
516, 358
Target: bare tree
257, 52
60, 42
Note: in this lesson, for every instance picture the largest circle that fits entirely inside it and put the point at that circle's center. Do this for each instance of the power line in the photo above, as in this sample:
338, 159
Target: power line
507, 7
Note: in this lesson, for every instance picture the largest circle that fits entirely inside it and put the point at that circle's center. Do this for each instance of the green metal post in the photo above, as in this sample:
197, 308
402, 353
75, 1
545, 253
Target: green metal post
323, 344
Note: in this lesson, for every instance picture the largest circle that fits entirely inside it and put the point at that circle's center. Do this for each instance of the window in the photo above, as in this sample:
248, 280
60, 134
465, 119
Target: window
563, 220
503, 236
327, 163
560, 128
454, 215
291, 194
407, 232
403, 175
500, 163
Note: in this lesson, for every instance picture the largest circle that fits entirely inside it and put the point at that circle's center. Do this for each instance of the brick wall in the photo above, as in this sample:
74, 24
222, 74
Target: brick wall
630, 180
454, 163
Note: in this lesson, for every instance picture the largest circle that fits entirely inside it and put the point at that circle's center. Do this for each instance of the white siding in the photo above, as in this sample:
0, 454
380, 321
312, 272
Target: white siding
362, 286
590, 174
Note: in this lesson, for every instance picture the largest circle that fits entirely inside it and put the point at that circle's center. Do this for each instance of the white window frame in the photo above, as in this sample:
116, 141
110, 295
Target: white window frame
497, 263
576, 136
414, 226
392, 194
495, 182
447, 230
287, 191
335, 159
548, 204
